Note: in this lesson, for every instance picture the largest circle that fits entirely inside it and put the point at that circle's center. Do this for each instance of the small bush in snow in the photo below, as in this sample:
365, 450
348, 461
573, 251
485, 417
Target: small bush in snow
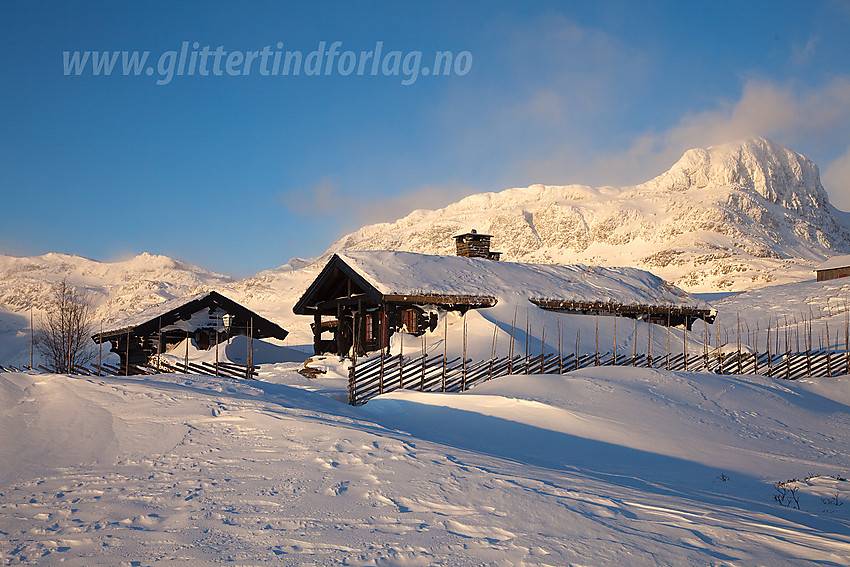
786, 494
834, 500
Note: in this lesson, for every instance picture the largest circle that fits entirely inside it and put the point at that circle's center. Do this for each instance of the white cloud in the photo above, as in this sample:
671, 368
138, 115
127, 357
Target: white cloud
322, 195
836, 178
430, 196
327, 199
810, 120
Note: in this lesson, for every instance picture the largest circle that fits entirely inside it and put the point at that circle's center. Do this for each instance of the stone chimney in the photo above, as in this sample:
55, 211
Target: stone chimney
475, 245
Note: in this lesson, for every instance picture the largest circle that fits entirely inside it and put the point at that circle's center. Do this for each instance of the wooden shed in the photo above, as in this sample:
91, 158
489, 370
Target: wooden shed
835, 267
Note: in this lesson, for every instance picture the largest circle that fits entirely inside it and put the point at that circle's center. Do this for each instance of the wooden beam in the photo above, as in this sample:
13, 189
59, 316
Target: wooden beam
434, 299
317, 332
340, 301
629, 310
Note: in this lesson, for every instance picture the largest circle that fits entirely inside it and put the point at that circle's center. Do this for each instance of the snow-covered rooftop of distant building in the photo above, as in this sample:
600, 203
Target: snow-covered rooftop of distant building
154, 311
409, 273
835, 262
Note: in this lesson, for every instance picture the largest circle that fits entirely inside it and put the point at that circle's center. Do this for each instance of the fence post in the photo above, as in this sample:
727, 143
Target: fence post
769, 355
615, 338
445, 345
527, 344
787, 352
809, 349
422, 379
159, 344
634, 344
463, 369
828, 352
560, 346
249, 370
385, 351
492, 352
667, 365
381, 372
578, 341
511, 347
756, 364
543, 343
719, 344
352, 381
596, 342
846, 340
740, 366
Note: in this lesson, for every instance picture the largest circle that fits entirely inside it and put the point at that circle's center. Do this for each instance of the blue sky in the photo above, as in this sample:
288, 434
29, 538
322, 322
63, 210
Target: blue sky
240, 173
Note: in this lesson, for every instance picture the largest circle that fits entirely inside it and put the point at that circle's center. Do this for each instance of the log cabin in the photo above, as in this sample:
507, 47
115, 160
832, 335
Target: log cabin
207, 318
360, 299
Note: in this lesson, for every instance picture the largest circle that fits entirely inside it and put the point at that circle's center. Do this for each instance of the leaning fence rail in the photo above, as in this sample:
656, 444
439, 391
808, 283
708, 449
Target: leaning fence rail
224, 369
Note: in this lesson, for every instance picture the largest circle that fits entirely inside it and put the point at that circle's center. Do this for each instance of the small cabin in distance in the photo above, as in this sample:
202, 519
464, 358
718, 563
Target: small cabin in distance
208, 319
834, 268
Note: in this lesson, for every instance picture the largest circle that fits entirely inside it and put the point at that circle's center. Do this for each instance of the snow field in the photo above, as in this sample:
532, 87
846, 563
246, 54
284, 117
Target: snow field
607, 466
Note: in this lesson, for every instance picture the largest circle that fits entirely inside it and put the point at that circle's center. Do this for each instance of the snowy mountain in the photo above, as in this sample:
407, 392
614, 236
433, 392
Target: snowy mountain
115, 288
729, 217
732, 217
120, 290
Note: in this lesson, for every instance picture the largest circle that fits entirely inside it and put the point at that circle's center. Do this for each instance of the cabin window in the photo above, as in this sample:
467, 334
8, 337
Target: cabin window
410, 321
370, 328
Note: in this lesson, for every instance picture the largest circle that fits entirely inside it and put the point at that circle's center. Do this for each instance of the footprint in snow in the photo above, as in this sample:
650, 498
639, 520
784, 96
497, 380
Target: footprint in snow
338, 488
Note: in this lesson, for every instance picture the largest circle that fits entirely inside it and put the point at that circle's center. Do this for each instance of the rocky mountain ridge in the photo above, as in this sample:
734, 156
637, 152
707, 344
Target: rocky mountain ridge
729, 217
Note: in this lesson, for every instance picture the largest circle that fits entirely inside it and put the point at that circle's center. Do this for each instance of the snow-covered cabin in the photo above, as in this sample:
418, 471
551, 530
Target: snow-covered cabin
364, 297
835, 267
207, 318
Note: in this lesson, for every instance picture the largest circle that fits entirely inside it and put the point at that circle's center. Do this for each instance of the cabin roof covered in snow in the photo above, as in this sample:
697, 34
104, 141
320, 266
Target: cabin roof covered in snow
181, 308
834, 262
393, 273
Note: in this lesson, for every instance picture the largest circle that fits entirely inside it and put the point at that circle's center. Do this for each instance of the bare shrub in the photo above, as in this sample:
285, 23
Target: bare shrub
64, 332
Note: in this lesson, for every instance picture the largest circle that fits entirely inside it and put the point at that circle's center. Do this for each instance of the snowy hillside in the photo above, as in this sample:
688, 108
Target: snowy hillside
115, 288
730, 217
601, 467
121, 290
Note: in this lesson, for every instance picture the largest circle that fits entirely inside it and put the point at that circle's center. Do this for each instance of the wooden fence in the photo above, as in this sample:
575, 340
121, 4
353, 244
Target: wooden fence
384, 373
225, 369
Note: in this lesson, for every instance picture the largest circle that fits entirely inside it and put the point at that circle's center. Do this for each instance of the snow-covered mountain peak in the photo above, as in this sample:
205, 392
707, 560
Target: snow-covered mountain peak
732, 216
781, 176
